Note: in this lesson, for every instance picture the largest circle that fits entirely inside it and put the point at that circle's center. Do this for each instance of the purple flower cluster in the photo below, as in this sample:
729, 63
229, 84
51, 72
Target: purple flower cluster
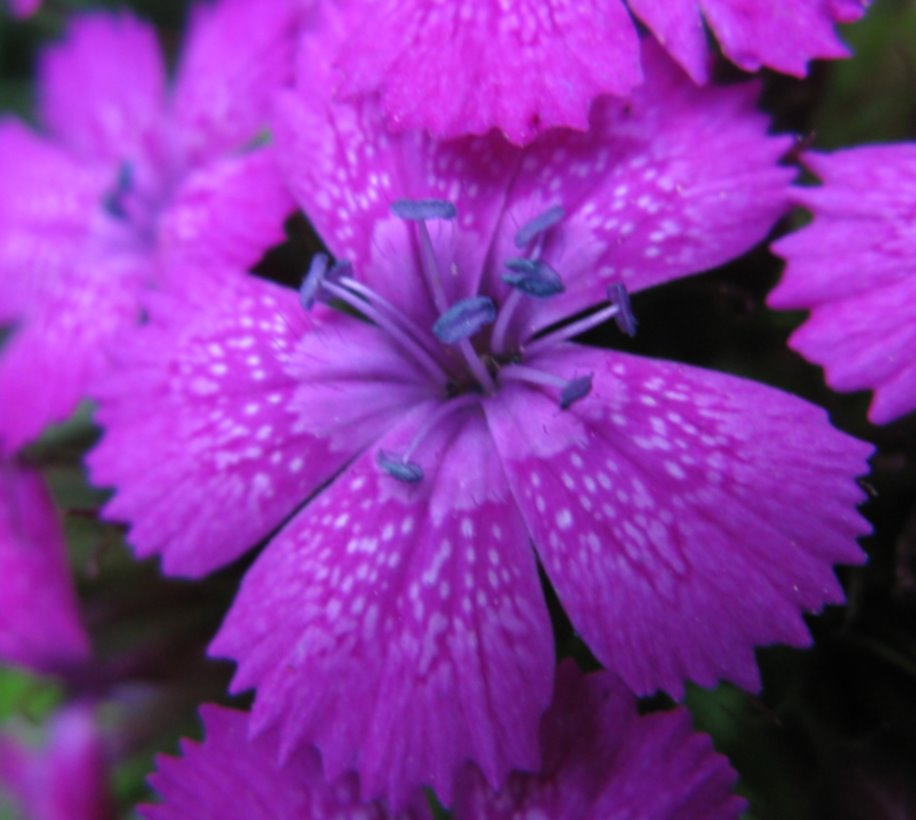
417, 436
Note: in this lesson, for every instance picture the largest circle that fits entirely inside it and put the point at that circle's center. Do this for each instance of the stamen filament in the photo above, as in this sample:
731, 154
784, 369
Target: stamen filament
368, 310
407, 325
569, 331
501, 326
400, 466
431, 267
478, 368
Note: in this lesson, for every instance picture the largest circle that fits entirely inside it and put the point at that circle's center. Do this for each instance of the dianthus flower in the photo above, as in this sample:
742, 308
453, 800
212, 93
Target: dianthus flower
443, 424
128, 181
66, 778
24, 8
856, 262
600, 760
41, 628
526, 65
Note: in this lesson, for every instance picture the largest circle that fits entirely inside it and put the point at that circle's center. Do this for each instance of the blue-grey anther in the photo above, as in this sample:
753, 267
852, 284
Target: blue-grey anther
538, 225
533, 278
419, 210
618, 296
113, 201
575, 390
406, 471
463, 319
314, 279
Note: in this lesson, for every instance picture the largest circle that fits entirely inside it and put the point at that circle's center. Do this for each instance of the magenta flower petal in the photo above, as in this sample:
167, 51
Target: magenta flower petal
751, 34
65, 779
525, 66
602, 760
422, 649
194, 785
854, 267
41, 628
45, 194
24, 8
228, 454
466, 67
201, 229
653, 504
236, 56
103, 87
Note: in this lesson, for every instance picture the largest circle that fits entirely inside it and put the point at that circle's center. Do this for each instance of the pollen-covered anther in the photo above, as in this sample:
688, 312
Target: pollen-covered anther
539, 225
464, 319
114, 201
533, 278
574, 390
571, 390
399, 467
419, 210
625, 319
320, 272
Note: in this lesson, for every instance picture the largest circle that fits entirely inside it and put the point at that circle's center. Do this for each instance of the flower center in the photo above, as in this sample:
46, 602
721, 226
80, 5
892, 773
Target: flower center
475, 327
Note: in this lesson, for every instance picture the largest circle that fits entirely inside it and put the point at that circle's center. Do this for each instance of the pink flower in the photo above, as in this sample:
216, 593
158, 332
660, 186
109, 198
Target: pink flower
526, 65
24, 8
417, 464
129, 182
41, 628
854, 268
600, 760
64, 780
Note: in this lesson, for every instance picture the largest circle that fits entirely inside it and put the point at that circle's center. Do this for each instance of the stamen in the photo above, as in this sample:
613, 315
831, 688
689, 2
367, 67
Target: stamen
418, 211
625, 319
407, 471
538, 225
383, 322
464, 319
570, 390
583, 325
401, 467
113, 201
533, 277
313, 281
530, 277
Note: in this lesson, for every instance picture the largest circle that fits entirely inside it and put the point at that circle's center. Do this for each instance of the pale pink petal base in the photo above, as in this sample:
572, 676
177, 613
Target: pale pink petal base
684, 517
602, 760
195, 785
41, 628
413, 613
854, 267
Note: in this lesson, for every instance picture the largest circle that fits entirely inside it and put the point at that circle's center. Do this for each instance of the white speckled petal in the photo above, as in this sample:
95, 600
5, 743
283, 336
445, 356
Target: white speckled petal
854, 266
683, 516
466, 67
205, 440
601, 759
194, 785
676, 181
401, 628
